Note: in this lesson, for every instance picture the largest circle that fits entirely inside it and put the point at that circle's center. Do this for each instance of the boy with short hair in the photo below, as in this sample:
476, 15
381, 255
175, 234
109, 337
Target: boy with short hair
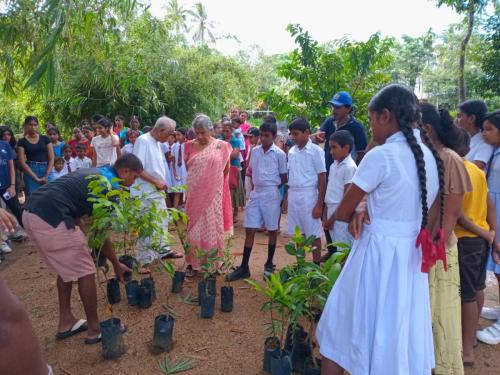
339, 179
58, 170
53, 226
306, 185
268, 164
81, 161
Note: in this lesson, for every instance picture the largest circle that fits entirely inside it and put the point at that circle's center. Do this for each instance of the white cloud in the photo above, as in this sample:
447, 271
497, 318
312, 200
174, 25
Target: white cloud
263, 22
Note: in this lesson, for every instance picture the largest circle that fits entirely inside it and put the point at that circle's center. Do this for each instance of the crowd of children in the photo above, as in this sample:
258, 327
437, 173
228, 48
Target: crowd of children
424, 203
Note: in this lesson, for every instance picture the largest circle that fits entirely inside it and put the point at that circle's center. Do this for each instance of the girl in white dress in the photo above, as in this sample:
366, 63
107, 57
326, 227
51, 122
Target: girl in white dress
178, 165
377, 319
166, 148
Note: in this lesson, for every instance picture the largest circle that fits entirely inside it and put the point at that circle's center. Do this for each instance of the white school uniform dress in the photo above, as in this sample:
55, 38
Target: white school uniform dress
377, 319
340, 175
179, 173
479, 149
150, 152
82, 163
264, 205
165, 147
304, 165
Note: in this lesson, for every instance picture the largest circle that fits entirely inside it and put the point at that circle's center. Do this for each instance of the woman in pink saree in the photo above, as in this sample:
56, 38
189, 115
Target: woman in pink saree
208, 199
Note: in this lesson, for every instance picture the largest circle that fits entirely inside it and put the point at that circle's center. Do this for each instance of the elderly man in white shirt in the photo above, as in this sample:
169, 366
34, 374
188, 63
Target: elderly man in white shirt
152, 180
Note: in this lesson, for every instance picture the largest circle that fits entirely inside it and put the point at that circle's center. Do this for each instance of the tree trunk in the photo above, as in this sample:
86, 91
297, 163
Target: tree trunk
463, 48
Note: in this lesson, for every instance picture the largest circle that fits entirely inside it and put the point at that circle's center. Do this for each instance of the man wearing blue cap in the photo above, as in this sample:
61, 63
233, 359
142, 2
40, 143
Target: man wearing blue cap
341, 105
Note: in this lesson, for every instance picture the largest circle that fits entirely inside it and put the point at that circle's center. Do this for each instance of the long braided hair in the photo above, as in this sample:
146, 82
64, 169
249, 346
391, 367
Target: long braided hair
402, 102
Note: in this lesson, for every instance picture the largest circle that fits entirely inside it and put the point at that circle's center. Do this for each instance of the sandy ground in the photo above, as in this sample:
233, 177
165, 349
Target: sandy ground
231, 343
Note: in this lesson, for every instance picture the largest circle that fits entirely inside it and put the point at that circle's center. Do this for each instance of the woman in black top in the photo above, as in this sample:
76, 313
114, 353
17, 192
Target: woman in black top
36, 156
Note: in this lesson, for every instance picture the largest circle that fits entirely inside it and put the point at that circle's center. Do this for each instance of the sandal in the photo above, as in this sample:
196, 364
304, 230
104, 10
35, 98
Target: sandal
79, 326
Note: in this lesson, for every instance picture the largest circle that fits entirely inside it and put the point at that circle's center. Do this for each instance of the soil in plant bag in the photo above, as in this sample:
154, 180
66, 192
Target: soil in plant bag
226, 298
310, 369
113, 289
150, 283
129, 261
178, 281
163, 332
281, 363
132, 289
271, 347
145, 297
112, 338
207, 300
294, 334
300, 351
206, 286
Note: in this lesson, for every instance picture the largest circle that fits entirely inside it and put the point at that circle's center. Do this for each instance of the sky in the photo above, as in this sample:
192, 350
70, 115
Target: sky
263, 22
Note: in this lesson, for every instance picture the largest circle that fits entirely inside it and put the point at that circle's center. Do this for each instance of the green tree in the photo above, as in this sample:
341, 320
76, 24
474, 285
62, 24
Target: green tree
312, 73
470, 8
491, 57
177, 16
202, 27
35, 34
413, 54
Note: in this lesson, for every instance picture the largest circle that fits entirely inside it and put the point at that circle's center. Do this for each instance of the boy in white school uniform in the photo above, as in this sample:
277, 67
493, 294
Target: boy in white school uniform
306, 185
269, 172
341, 173
81, 161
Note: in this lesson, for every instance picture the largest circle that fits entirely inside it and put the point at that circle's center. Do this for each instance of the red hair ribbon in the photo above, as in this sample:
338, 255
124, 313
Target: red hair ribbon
431, 251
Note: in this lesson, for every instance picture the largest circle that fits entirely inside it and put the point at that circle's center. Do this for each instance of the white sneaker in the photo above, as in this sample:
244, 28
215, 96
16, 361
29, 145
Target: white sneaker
490, 313
490, 335
5, 248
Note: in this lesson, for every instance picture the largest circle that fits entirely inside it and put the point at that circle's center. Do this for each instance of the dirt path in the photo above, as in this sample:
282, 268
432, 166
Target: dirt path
229, 344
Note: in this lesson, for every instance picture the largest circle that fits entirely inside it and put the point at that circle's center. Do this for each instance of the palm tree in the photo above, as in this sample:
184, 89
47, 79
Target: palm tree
203, 28
176, 14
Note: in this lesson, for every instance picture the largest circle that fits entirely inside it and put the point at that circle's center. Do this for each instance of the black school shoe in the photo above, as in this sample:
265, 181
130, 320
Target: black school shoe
240, 273
268, 270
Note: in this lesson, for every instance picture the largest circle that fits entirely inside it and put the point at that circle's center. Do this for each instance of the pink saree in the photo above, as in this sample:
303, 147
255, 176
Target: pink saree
208, 199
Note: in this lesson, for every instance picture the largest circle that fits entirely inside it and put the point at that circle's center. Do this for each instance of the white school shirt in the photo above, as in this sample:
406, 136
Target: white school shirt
66, 168
127, 149
82, 163
304, 165
104, 149
340, 175
267, 166
54, 175
149, 151
389, 176
479, 149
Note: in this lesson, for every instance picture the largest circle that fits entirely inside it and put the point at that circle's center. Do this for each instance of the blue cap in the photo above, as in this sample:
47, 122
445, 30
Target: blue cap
341, 98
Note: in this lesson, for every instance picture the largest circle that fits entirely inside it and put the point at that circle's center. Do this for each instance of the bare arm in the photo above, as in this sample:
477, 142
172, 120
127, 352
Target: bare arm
21, 156
480, 164
116, 144
50, 162
160, 185
317, 212
12, 173
345, 210
452, 211
94, 157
